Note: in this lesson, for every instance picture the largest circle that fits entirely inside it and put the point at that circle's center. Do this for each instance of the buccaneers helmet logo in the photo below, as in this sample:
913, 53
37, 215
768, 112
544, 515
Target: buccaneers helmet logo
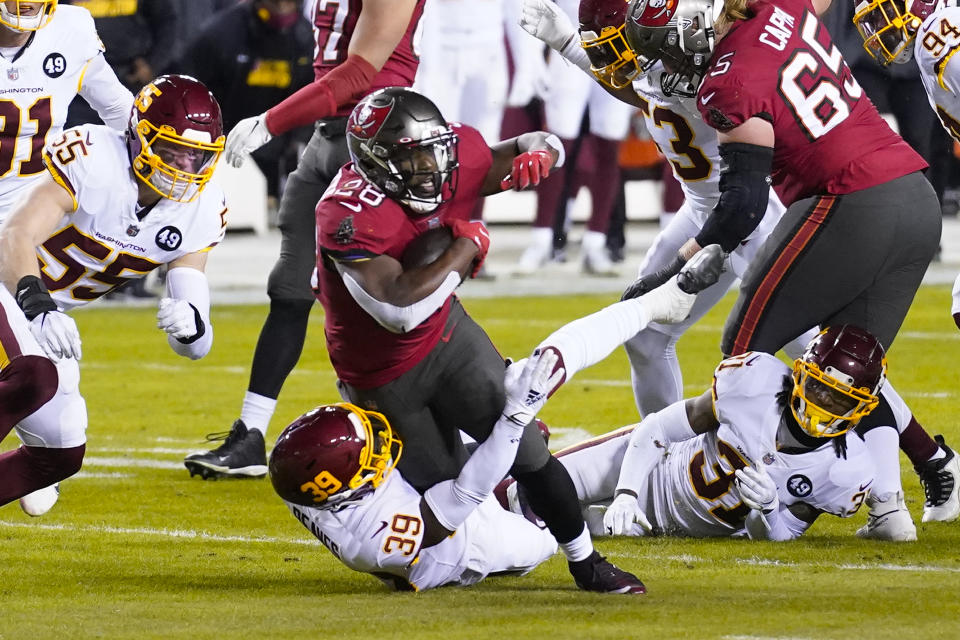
657, 13
366, 121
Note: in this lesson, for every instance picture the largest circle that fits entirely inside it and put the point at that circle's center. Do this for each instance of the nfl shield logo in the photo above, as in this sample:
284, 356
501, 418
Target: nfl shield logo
13, 74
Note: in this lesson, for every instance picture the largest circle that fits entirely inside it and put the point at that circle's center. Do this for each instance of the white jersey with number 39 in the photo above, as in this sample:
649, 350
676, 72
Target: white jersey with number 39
103, 243
382, 535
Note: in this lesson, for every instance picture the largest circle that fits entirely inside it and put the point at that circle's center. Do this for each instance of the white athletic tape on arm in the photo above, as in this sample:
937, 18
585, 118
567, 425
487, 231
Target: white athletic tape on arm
401, 319
187, 283
454, 500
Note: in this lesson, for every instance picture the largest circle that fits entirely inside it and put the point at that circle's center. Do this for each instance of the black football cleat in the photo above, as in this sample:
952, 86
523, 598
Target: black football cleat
702, 270
596, 574
941, 486
242, 455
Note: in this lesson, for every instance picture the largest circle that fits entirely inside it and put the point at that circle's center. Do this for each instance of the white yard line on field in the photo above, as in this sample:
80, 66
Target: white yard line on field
207, 536
166, 533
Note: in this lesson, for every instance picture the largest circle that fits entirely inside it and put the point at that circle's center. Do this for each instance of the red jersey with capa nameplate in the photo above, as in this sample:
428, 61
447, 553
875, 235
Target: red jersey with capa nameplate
356, 222
333, 25
780, 65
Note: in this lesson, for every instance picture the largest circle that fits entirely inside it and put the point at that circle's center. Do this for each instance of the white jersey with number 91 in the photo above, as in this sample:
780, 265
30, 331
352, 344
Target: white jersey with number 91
37, 84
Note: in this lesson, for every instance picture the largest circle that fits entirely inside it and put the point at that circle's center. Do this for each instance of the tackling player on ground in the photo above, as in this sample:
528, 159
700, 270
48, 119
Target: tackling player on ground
111, 207
334, 467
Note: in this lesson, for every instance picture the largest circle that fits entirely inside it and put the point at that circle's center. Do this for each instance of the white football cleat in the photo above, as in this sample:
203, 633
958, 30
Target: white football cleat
888, 519
40, 501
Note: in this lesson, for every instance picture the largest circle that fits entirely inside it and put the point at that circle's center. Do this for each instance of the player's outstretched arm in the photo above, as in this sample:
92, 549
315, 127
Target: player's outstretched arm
379, 29
184, 311
649, 442
544, 20
447, 505
522, 162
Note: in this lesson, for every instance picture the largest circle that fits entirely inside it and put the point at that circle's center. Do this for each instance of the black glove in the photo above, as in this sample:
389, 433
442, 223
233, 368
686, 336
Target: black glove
32, 296
651, 281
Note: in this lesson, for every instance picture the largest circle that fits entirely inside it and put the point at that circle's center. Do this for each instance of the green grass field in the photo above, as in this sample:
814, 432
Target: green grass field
137, 549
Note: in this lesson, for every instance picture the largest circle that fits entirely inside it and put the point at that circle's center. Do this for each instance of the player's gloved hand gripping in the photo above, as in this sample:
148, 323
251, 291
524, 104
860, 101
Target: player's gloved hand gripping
55, 331
527, 391
246, 136
757, 489
476, 232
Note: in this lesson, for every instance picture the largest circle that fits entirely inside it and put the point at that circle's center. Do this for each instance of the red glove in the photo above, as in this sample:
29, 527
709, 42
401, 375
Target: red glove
529, 168
476, 232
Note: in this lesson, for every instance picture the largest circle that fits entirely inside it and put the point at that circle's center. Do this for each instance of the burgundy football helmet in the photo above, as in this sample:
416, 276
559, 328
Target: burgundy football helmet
333, 454
889, 27
175, 136
400, 142
836, 380
612, 60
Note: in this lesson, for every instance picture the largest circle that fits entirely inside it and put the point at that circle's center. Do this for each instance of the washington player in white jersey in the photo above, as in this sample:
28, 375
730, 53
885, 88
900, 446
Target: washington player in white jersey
111, 207
48, 55
334, 468
690, 146
928, 30
762, 453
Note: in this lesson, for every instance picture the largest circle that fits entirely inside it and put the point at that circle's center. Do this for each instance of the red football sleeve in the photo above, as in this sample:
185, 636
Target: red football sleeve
320, 99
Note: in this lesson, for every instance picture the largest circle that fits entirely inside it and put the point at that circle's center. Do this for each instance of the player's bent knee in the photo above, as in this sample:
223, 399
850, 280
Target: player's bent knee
26, 384
54, 465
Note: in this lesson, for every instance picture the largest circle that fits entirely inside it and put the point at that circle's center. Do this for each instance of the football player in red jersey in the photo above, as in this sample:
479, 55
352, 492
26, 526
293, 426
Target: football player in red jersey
361, 46
399, 340
862, 222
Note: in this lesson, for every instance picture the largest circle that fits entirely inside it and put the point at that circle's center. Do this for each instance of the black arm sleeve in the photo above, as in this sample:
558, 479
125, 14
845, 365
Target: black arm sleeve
744, 190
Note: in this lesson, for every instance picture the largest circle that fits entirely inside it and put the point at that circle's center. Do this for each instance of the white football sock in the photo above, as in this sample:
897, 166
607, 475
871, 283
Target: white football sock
884, 446
579, 548
257, 411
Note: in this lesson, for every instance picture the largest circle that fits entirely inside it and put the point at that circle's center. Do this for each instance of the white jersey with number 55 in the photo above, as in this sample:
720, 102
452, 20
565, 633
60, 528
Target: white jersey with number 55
103, 242
37, 84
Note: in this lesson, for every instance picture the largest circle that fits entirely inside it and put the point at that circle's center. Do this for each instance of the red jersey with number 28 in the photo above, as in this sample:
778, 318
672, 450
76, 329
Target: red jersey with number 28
333, 25
780, 65
356, 222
